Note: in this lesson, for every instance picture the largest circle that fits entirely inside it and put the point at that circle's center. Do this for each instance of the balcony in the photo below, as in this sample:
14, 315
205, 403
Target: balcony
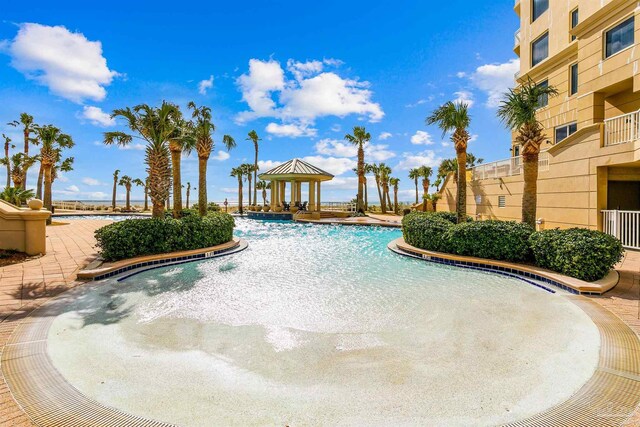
516, 43
622, 129
516, 7
508, 167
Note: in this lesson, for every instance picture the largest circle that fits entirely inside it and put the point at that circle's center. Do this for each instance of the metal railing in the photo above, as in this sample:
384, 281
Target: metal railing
624, 225
621, 129
507, 167
338, 206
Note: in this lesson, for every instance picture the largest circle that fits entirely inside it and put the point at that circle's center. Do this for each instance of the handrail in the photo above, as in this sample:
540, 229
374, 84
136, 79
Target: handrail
622, 129
507, 167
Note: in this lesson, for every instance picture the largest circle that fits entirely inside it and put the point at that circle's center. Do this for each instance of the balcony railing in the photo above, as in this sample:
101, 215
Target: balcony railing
621, 129
507, 167
516, 39
624, 225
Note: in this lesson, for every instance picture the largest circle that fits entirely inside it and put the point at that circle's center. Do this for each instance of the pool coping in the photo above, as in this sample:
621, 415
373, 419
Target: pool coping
105, 270
521, 271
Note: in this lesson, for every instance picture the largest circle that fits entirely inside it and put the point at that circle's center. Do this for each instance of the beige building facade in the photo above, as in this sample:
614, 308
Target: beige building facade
590, 165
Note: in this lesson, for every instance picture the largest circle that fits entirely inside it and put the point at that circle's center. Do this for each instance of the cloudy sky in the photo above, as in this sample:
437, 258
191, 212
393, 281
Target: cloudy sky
300, 75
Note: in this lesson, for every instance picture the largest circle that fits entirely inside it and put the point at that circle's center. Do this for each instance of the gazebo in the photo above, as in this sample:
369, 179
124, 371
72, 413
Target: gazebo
296, 172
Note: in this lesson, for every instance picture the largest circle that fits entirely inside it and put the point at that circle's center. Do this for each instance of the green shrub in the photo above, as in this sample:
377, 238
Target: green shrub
576, 252
136, 237
425, 231
500, 240
449, 216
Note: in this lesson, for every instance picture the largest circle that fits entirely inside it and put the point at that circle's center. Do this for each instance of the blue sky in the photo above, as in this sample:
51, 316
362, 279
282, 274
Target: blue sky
301, 74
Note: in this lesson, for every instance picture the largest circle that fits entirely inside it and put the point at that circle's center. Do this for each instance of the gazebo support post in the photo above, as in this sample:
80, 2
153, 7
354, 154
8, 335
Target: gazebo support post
312, 195
318, 204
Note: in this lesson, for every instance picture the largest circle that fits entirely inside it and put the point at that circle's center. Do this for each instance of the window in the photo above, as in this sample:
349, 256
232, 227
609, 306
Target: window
619, 37
543, 101
479, 199
565, 130
539, 7
573, 79
516, 151
540, 49
574, 21
502, 201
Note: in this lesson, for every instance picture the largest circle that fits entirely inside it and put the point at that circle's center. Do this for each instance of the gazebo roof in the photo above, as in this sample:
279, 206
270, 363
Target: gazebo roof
296, 169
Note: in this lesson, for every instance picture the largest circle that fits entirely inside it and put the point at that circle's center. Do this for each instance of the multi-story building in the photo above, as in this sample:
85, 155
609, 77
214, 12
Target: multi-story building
590, 165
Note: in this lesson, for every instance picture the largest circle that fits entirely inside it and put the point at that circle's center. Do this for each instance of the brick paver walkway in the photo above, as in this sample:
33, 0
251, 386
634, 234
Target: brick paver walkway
25, 286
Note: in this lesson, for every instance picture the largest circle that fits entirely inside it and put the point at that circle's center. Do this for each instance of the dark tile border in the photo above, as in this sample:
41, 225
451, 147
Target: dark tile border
270, 215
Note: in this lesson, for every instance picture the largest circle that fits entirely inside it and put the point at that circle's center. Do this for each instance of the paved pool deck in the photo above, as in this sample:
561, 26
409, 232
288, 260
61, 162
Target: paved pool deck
26, 286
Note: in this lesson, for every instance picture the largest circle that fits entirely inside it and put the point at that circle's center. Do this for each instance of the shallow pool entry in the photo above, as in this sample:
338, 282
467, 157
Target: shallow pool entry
323, 325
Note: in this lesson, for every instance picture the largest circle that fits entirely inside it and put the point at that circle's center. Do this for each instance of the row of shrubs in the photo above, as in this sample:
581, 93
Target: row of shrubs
137, 237
576, 252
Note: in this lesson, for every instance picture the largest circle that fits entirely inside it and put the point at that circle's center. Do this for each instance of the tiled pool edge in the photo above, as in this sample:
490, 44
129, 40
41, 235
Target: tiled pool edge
511, 271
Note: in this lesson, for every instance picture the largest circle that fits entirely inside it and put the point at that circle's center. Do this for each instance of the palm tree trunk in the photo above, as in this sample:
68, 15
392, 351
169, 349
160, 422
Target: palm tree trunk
386, 190
461, 202
361, 181
159, 181
240, 194
366, 196
202, 186
380, 197
530, 193
146, 197
395, 199
249, 189
255, 177
39, 186
6, 157
128, 202
48, 204
416, 181
425, 191
26, 155
188, 191
113, 197
177, 183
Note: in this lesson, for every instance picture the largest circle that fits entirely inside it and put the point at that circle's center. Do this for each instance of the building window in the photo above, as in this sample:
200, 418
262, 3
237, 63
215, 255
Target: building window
619, 37
502, 201
539, 7
565, 130
479, 199
573, 79
574, 21
540, 49
543, 101
516, 151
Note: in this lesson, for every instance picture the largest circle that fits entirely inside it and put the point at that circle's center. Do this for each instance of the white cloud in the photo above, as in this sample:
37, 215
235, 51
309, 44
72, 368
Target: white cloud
495, 80
97, 117
97, 195
308, 93
333, 165
69, 64
461, 74
414, 160
220, 156
373, 152
92, 181
135, 146
73, 188
464, 96
385, 135
205, 85
266, 165
336, 128
421, 101
473, 138
290, 130
422, 138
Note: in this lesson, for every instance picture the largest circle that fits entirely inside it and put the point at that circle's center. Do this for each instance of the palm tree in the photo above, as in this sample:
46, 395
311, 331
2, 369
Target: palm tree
368, 168
238, 173
188, 193
248, 169
154, 125
17, 163
127, 182
61, 165
433, 198
115, 186
395, 182
454, 117
16, 196
28, 127
518, 112
181, 141
263, 186
359, 138
425, 173
7, 162
52, 143
414, 174
139, 183
146, 194
253, 136
375, 169
384, 175
203, 131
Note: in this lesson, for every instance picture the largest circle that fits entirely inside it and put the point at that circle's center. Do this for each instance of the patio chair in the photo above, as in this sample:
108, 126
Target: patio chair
286, 206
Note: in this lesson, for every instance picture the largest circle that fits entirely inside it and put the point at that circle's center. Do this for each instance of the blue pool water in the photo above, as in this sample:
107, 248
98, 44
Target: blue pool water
323, 325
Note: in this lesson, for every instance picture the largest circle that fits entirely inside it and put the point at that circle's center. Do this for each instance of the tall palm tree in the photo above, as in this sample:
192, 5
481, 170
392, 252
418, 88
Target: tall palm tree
182, 141
384, 175
203, 133
414, 174
7, 161
17, 163
425, 174
139, 183
454, 117
368, 168
248, 169
154, 125
62, 165
238, 172
518, 112
52, 143
359, 138
263, 186
28, 128
188, 193
146, 194
127, 182
375, 169
115, 189
394, 182
253, 137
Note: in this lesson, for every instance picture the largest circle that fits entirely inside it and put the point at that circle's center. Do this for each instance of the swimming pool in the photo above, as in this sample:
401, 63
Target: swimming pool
322, 325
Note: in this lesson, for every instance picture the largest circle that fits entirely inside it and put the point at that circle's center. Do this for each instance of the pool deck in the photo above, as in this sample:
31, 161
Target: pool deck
25, 287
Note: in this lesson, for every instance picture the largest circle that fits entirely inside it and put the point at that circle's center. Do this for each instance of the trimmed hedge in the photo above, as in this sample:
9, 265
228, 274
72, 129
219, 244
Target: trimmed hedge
449, 216
500, 240
577, 252
425, 231
137, 237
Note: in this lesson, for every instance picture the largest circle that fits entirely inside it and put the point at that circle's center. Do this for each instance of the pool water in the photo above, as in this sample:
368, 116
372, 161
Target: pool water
323, 325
